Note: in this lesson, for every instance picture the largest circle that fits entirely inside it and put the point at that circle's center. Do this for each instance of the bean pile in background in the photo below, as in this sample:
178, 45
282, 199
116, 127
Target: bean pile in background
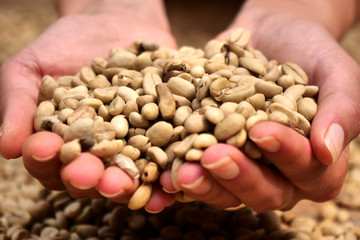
149, 108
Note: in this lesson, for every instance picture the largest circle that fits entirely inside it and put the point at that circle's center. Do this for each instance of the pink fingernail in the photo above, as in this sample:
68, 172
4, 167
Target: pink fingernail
170, 191
199, 186
43, 159
81, 187
152, 212
267, 143
113, 195
225, 168
334, 140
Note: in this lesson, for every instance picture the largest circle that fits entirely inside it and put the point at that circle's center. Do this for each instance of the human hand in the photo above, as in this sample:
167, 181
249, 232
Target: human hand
66, 46
305, 168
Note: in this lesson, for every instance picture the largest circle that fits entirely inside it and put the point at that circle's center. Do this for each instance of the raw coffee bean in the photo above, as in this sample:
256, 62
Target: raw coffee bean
48, 85
228, 127
140, 197
195, 123
150, 111
158, 155
204, 140
126, 164
150, 173
140, 142
181, 114
307, 107
160, 133
121, 126
182, 87
166, 101
45, 109
81, 112
295, 71
193, 155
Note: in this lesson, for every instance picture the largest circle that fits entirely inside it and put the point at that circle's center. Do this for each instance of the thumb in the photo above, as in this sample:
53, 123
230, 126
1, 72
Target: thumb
18, 91
337, 120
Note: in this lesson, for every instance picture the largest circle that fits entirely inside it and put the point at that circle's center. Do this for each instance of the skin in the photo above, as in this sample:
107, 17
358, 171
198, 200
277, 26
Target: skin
61, 50
310, 169
307, 169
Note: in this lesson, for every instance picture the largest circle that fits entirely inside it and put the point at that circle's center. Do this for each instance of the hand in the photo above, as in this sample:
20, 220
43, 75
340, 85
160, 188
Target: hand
66, 46
305, 168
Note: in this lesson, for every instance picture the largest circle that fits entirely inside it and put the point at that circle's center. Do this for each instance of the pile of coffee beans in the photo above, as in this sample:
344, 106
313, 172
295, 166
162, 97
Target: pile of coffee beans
149, 108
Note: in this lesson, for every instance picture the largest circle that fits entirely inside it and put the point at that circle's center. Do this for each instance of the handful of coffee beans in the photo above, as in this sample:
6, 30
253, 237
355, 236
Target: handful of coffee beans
149, 108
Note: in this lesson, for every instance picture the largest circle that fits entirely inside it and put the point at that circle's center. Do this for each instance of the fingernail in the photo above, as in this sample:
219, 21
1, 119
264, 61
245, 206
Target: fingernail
235, 208
334, 140
267, 143
225, 168
170, 191
107, 195
83, 187
43, 159
199, 186
151, 211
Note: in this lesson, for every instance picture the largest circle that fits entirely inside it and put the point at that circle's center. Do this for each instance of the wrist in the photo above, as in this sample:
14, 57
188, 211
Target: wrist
335, 16
148, 12
109, 7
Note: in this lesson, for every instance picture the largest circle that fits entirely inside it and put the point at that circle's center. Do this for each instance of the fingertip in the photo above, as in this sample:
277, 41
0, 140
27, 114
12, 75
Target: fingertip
115, 183
166, 182
220, 151
18, 108
41, 145
40, 155
189, 172
11, 139
273, 137
159, 200
328, 146
84, 172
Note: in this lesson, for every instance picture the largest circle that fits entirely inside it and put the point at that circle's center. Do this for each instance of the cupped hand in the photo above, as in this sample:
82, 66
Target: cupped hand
69, 44
305, 168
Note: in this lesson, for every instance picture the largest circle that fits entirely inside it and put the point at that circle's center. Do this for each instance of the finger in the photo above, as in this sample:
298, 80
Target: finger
116, 185
53, 184
195, 182
284, 147
81, 193
159, 200
41, 159
166, 183
82, 175
257, 185
19, 87
337, 120
297, 162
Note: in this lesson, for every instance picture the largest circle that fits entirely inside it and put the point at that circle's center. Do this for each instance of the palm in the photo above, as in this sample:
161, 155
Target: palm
74, 41
69, 44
